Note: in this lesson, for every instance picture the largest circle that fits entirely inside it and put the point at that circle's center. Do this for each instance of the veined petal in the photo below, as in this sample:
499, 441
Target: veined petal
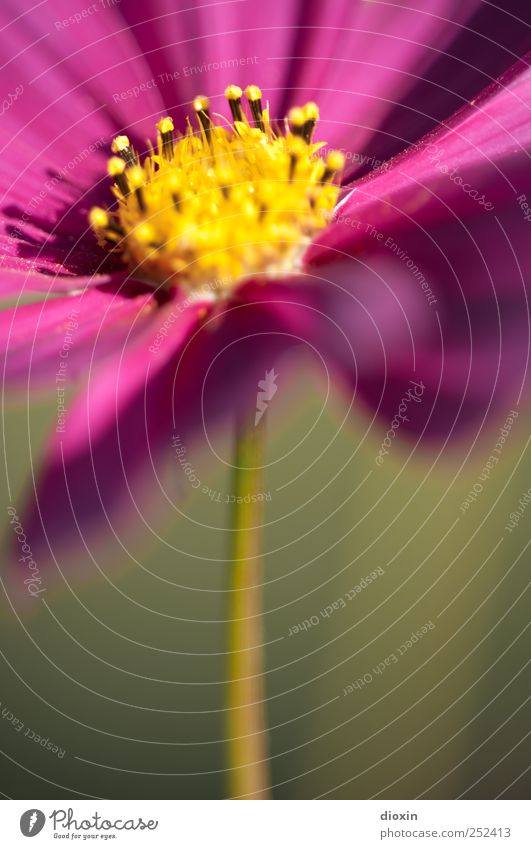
473, 165
359, 60
347, 310
103, 458
63, 72
461, 233
485, 46
44, 209
22, 280
206, 46
62, 335
69, 66
473, 354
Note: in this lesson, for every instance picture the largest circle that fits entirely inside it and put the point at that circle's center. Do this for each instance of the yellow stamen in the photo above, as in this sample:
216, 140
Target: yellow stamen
335, 161
107, 229
145, 234
122, 146
137, 178
201, 105
165, 128
222, 204
119, 144
115, 166
165, 125
116, 170
233, 93
98, 218
252, 92
254, 96
297, 119
311, 116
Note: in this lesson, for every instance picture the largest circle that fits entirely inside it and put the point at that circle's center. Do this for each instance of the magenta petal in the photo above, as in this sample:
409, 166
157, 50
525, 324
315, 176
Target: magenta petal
349, 312
217, 373
64, 269
38, 340
343, 318
106, 461
482, 50
185, 369
474, 361
70, 72
474, 165
202, 48
62, 79
21, 279
359, 60
465, 245
44, 210
356, 60
103, 459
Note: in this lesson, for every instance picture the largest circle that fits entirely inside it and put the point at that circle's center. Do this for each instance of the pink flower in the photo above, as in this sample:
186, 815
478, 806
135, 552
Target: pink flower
420, 280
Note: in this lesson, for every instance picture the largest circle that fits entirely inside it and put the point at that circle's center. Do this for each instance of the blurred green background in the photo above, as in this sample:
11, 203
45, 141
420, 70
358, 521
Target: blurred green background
124, 670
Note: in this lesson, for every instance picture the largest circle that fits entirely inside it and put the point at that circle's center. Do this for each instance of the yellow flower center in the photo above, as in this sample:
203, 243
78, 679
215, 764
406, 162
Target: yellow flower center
220, 204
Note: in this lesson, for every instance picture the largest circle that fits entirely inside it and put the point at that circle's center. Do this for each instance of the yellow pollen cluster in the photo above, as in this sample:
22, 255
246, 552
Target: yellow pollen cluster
224, 202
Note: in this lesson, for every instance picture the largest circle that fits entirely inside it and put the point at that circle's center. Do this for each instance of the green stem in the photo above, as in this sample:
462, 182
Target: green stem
248, 774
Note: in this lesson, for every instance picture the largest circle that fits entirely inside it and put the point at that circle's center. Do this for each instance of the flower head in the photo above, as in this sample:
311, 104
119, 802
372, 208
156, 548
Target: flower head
221, 203
163, 321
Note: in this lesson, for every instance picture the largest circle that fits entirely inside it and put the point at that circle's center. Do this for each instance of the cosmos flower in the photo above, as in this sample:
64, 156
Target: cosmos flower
228, 242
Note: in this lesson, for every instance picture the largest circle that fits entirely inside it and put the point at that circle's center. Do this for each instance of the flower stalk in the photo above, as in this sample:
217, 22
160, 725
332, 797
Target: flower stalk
247, 745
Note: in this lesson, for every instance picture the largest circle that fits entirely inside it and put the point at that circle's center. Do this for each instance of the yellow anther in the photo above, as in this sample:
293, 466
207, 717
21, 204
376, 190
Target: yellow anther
165, 128
98, 218
137, 179
145, 233
119, 144
252, 93
254, 96
115, 166
296, 117
298, 151
233, 92
174, 182
116, 169
201, 103
165, 125
122, 146
136, 176
303, 120
335, 161
311, 111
